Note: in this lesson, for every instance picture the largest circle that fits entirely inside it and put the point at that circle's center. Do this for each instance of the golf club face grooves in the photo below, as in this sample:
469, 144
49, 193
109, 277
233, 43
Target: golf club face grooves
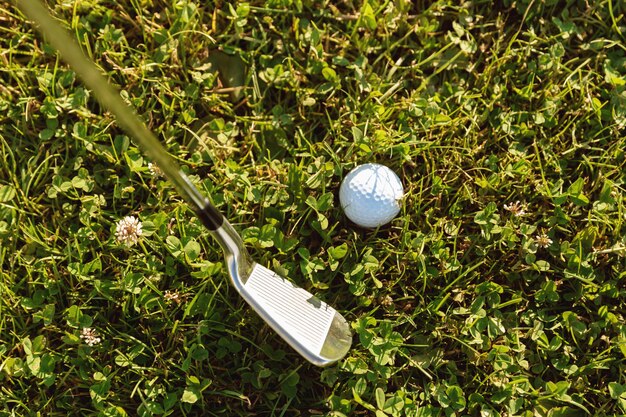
310, 326
210, 216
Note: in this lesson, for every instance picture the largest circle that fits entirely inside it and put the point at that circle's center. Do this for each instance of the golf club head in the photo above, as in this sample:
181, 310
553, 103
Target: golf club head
313, 328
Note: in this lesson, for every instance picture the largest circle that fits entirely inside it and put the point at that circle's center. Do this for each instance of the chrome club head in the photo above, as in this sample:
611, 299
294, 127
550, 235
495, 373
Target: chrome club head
310, 326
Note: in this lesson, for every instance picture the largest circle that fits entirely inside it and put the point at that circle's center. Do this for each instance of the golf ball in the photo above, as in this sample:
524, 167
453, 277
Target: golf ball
370, 195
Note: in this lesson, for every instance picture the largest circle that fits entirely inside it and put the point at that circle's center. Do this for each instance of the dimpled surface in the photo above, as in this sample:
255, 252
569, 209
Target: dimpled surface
370, 195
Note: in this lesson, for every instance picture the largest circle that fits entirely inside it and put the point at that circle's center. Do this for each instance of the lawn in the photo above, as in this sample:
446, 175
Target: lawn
497, 291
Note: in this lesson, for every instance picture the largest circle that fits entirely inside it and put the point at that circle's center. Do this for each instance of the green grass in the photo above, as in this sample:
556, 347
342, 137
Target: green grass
457, 308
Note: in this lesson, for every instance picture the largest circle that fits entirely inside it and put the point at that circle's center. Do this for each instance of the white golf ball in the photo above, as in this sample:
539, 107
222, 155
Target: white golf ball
370, 195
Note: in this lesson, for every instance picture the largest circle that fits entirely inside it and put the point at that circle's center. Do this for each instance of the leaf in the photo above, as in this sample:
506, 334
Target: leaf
133, 282
575, 192
452, 397
567, 28
173, 245
320, 224
576, 187
325, 202
99, 390
542, 265
322, 203
557, 389
574, 325
134, 159
48, 314
484, 216
7, 193
231, 68
495, 327
266, 237
27, 345
199, 354
123, 360
192, 250
148, 228
442, 118
564, 412
329, 74
78, 182
73, 316
368, 18
170, 401
359, 400
458, 29
394, 405
243, 10
357, 134
338, 252
613, 77
289, 385
616, 390
154, 407
33, 363
380, 398
580, 200
190, 396
46, 134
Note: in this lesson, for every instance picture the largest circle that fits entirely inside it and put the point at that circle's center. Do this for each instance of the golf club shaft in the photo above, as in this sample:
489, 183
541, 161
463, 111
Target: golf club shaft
126, 115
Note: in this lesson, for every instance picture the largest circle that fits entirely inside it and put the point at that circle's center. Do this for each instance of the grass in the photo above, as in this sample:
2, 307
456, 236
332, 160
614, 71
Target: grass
497, 291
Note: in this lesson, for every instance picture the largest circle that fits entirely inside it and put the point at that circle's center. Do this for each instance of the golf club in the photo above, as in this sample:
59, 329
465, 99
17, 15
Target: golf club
312, 327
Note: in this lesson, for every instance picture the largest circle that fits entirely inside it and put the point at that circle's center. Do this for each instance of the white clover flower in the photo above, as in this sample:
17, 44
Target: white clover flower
172, 296
128, 230
90, 336
155, 171
386, 301
543, 241
518, 209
